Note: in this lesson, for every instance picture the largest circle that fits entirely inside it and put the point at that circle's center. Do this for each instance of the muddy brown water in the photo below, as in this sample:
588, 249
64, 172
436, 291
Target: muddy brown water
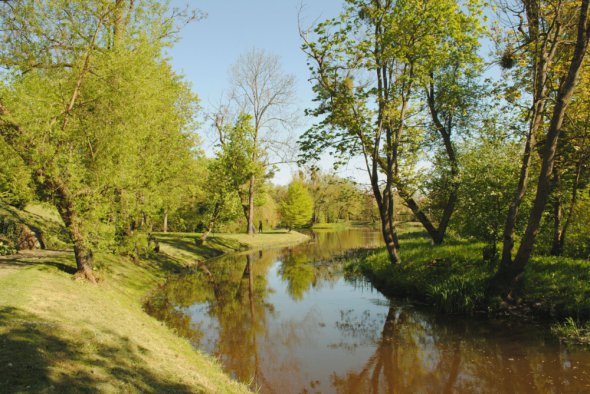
289, 321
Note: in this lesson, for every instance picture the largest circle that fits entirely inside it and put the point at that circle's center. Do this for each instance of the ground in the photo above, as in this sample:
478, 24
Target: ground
61, 335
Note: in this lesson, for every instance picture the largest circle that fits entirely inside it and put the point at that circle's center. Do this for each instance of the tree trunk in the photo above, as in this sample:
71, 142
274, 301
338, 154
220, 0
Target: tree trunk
165, 225
510, 224
391, 240
216, 212
386, 213
251, 230
118, 31
445, 134
542, 58
556, 245
71, 219
544, 182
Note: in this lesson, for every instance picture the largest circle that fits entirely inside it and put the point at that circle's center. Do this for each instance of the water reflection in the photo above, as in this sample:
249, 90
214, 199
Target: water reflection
286, 321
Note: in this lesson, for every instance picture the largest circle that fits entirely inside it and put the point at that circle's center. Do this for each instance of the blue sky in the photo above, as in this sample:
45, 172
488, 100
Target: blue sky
207, 48
210, 46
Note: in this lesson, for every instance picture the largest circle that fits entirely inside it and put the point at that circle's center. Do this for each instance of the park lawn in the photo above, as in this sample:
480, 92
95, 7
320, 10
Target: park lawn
453, 278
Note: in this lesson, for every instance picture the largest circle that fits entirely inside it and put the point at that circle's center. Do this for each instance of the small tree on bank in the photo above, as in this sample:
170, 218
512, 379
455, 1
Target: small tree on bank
297, 208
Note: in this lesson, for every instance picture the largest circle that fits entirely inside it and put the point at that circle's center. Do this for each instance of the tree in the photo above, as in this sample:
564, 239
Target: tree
550, 28
487, 179
368, 67
570, 173
85, 115
262, 90
297, 208
241, 159
15, 178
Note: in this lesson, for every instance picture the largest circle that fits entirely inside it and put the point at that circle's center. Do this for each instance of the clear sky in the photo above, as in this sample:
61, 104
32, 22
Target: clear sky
210, 46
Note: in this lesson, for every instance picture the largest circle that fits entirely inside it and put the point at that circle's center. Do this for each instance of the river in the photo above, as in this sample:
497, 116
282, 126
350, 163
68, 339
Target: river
289, 321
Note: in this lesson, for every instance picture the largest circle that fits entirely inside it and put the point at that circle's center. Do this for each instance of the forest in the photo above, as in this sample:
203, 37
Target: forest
470, 120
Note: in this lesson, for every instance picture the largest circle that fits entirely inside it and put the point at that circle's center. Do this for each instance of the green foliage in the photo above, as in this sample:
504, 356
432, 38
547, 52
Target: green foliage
573, 331
103, 125
337, 199
6, 246
240, 157
486, 188
578, 241
297, 208
15, 178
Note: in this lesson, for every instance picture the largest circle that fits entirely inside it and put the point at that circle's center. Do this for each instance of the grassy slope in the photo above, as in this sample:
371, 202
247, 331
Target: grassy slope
43, 219
59, 335
453, 278
183, 246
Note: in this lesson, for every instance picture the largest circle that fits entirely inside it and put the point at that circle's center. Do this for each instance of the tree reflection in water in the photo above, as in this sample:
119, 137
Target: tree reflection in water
287, 321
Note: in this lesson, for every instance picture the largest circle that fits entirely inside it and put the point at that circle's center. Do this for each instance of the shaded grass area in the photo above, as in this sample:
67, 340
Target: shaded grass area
43, 220
60, 335
331, 226
453, 278
187, 248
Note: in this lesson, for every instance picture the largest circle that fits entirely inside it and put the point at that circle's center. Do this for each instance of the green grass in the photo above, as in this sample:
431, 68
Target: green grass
43, 219
186, 246
453, 278
60, 335
572, 331
331, 226
268, 239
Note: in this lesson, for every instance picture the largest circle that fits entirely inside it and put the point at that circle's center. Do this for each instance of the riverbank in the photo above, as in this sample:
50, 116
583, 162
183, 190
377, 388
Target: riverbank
187, 247
452, 277
60, 335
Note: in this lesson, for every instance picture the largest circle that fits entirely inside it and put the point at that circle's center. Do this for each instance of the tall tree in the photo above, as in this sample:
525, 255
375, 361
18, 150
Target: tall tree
82, 114
297, 208
369, 66
552, 26
237, 161
264, 91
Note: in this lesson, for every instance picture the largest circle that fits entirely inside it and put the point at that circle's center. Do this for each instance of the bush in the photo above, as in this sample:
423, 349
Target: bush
6, 246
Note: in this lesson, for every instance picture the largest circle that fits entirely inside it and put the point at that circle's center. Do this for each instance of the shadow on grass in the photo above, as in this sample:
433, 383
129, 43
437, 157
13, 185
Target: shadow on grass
215, 246
44, 265
35, 358
40, 225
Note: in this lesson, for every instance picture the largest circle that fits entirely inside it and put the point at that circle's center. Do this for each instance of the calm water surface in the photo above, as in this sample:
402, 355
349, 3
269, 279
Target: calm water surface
288, 321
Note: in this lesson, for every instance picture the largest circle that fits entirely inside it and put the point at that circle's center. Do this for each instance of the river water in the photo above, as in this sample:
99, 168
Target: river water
288, 321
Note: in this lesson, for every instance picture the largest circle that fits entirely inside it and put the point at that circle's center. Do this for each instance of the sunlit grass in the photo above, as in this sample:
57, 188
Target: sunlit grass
453, 278
61, 335
187, 246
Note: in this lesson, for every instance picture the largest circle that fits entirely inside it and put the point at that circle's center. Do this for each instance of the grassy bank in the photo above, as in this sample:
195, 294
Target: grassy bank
60, 335
187, 248
453, 278
344, 225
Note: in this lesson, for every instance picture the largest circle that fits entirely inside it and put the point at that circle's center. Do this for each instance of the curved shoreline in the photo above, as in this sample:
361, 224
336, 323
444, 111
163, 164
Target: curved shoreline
65, 335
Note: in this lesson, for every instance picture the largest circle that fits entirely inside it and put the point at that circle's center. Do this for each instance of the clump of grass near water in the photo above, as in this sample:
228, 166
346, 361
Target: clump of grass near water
453, 278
